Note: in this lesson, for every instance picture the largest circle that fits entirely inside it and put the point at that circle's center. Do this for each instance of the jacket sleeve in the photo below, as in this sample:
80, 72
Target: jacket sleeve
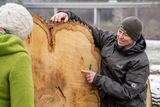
21, 83
100, 36
134, 83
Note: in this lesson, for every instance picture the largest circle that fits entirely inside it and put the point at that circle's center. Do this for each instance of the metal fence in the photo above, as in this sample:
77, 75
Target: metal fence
107, 14
94, 6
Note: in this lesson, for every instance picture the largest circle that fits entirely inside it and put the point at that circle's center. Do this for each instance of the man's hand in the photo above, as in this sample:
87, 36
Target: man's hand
59, 16
89, 75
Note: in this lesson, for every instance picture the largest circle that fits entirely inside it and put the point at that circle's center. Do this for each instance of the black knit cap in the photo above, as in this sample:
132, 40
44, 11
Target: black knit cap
132, 26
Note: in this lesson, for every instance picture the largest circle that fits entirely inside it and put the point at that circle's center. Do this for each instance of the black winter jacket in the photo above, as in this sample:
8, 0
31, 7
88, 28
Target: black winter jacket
124, 72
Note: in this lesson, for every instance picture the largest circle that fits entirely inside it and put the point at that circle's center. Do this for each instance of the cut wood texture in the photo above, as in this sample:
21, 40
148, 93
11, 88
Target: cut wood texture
149, 97
59, 52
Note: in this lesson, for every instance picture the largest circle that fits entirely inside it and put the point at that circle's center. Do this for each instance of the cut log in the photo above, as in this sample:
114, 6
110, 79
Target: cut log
149, 97
58, 54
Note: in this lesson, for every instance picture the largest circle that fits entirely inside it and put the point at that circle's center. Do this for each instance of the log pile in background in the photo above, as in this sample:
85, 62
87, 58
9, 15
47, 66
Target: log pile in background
59, 52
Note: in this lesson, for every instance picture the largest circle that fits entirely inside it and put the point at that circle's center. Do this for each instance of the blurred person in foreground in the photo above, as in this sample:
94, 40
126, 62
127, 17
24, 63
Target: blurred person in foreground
124, 63
16, 84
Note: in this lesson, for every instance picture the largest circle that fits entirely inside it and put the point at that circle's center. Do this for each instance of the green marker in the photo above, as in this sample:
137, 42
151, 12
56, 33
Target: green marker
90, 66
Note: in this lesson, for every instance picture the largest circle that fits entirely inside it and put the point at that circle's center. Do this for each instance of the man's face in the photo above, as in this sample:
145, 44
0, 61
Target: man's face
123, 39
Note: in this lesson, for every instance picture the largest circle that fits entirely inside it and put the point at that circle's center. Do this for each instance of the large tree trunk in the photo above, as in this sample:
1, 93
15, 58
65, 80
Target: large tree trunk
58, 55
59, 52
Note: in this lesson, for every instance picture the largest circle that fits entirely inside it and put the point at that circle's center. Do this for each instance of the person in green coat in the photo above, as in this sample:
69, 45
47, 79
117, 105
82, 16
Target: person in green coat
16, 84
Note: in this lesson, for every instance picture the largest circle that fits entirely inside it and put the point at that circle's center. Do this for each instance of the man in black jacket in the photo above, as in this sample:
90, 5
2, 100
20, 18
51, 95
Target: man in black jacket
124, 64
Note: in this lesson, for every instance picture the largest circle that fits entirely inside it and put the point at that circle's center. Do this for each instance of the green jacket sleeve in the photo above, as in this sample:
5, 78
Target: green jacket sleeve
21, 83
